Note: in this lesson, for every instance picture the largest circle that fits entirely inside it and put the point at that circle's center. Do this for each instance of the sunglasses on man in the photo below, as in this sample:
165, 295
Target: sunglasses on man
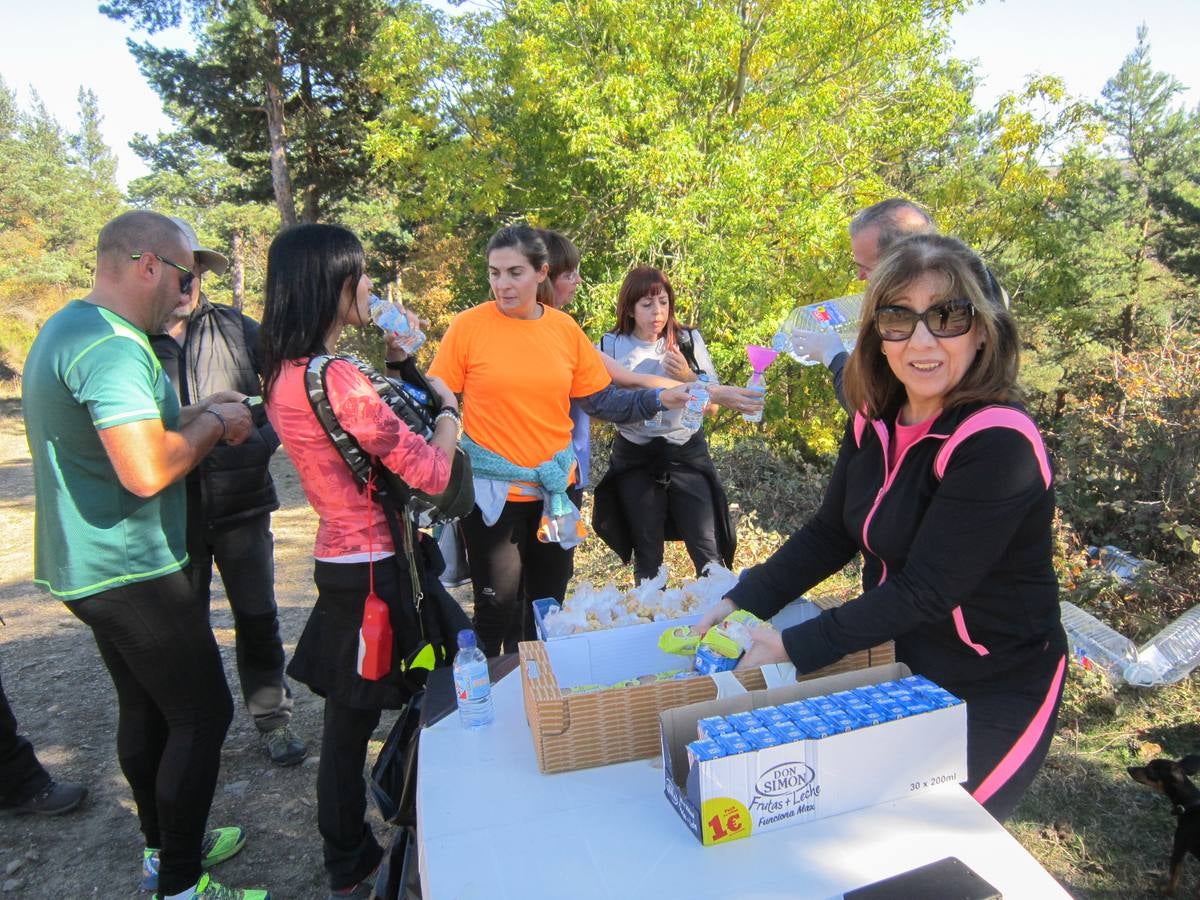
944, 320
186, 275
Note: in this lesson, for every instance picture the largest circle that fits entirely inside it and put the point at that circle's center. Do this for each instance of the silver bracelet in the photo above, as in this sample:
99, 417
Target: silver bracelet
447, 413
221, 419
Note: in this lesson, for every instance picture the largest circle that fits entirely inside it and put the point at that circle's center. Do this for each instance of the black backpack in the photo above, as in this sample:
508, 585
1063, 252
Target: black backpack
426, 509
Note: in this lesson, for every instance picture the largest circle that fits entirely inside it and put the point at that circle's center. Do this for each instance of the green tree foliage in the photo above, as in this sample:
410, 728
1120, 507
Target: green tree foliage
726, 143
56, 189
276, 87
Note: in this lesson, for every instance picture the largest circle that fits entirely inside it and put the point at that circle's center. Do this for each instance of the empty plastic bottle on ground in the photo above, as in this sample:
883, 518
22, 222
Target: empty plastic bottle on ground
1096, 645
1171, 654
693, 413
756, 383
839, 314
472, 684
392, 319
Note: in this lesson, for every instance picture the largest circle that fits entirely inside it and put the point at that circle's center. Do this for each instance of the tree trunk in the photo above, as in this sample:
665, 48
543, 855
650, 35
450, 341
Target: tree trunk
281, 178
239, 271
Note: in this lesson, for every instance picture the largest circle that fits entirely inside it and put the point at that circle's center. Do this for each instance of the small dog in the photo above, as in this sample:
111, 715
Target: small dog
1171, 778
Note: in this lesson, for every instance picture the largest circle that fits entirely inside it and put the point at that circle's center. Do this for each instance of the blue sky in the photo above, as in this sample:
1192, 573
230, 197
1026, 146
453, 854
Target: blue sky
59, 45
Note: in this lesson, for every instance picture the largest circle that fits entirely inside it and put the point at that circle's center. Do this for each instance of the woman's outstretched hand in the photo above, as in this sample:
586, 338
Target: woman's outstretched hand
766, 649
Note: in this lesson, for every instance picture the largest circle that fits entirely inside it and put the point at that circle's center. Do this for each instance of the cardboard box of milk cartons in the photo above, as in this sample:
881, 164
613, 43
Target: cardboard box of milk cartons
736, 796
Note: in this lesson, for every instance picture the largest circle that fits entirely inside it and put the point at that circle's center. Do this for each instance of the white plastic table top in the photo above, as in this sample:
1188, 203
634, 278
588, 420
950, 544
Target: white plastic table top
492, 826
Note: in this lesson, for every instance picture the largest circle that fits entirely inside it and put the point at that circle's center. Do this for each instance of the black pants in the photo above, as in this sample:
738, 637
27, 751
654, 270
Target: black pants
510, 568
21, 775
1008, 736
173, 708
646, 503
244, 553
351, 851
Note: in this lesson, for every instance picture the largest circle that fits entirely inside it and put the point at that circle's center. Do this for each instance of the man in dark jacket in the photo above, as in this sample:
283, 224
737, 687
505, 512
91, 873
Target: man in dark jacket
230, 497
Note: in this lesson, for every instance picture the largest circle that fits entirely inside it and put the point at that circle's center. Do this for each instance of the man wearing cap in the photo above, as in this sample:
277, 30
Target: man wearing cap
207, 348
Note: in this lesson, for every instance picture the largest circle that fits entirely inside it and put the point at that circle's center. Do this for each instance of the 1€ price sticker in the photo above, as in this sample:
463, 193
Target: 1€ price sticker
724, 819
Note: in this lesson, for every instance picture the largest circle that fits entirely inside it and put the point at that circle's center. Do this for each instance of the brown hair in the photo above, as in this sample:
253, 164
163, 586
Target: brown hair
992, 376
640, 282
528, 242
562, 255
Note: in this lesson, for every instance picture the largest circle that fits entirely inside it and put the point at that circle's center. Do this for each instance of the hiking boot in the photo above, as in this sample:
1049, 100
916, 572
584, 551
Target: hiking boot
218, 845
54, 799
284, 748
207, 889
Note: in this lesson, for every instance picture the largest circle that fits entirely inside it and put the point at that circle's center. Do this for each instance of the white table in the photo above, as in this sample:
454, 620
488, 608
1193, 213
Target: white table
492, 826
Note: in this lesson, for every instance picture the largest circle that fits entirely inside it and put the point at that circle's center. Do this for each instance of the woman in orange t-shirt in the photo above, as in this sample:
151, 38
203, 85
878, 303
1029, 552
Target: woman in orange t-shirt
518, 362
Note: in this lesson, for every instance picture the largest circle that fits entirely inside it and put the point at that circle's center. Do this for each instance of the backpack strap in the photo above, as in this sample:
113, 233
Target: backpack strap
995, 417
687, 347
608, 344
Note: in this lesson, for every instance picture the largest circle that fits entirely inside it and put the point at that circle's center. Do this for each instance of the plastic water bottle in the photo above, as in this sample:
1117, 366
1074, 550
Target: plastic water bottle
389, 318
1096, 645
1171, 654
840, 314
755, 383
693, 413
472, 684
656, 420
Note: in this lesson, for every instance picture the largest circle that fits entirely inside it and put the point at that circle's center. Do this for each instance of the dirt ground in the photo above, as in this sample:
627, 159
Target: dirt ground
64, 702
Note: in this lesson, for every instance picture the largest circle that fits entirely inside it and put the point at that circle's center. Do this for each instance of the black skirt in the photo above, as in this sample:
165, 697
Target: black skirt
326, 656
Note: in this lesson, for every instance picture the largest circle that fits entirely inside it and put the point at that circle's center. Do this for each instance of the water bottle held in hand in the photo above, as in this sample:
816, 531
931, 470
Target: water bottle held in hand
392, 319
756, 383
840, 314
472, 684
693, 413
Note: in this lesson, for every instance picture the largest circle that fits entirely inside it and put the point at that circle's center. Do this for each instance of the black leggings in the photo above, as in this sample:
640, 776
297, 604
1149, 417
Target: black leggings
351, 850
510, 568
647, 503
174, 708
1008, 736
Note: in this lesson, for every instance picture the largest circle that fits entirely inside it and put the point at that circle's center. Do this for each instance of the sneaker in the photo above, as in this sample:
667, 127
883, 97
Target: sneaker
284, 748
364, 890
54, 799
207, 889
218, 845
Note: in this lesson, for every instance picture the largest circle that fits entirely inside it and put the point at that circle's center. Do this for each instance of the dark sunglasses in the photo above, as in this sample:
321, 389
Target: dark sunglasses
944, 320
185, 279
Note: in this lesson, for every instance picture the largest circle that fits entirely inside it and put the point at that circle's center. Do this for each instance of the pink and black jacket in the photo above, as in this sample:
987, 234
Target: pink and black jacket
956, 542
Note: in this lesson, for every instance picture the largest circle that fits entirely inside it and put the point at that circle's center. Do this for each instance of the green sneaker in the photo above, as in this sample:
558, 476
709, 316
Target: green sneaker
207, 889
218, 845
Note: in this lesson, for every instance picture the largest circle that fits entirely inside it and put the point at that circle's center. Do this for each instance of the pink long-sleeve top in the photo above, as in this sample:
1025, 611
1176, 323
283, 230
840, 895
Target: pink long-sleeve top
345, 515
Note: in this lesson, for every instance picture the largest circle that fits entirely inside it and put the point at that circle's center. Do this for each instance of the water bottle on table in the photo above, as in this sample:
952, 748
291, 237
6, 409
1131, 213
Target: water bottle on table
693, 413
391, 318
840, 314
472, 684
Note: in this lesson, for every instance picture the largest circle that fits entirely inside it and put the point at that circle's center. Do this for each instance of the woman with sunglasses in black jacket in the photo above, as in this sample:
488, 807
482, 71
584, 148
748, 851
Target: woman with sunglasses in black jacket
944, 485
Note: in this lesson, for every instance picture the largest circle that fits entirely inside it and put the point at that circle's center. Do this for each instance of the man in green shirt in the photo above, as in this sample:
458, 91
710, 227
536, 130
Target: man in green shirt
110, 444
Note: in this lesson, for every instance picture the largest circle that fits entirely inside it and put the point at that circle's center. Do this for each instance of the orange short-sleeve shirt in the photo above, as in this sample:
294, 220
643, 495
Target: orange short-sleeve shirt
517, 378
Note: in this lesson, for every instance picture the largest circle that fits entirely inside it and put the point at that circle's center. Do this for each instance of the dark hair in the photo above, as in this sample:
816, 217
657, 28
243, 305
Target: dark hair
992, 376
562, 255
528, 242
308, 267
640, 282
895, 218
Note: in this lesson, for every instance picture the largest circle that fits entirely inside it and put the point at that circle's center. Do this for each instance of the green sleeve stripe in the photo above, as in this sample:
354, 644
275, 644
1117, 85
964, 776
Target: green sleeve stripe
133, 415
80, 593
84, 352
